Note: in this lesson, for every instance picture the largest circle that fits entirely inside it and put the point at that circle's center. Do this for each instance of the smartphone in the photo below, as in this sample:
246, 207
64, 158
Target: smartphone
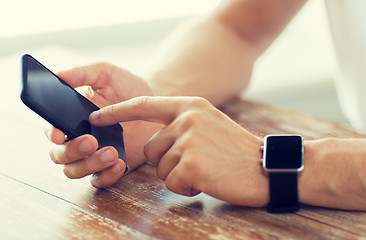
63, 107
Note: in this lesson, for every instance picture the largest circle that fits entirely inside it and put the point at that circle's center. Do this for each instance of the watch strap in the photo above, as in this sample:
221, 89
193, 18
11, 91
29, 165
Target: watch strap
283, 192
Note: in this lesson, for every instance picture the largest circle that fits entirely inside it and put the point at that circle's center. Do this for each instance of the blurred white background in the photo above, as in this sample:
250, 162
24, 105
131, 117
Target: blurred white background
296, 72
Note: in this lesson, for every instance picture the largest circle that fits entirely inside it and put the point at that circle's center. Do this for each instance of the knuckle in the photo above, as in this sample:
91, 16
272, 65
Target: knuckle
141, 104
67, 154
142, 101
110, 113
104, 64
105, 70
169, 162
191, 164
160, 174
178, 182
187, 141
98, 182
199, 102
148, 151
112, 110
57, 156
87, 168
172, 185
187, 119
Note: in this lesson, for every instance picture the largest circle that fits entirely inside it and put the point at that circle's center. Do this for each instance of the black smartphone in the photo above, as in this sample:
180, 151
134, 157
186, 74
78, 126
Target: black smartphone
63, 107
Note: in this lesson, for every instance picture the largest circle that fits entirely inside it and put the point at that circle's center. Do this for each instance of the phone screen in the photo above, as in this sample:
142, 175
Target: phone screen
62, 106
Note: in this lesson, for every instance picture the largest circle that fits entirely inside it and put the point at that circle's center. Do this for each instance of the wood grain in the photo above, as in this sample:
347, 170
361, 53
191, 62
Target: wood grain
30, 213
38, 202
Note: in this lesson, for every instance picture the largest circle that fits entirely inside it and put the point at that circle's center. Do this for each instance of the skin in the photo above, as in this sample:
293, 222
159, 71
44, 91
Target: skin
194, 146
190, 159
177, 72
79, 156
213, 57
176, 150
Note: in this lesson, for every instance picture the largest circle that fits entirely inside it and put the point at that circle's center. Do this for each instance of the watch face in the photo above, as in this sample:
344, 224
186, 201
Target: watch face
283, 152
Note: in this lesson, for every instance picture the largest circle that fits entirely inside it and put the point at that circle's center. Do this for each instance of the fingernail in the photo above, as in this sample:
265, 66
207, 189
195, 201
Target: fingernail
94, 116
85, 146
107, 156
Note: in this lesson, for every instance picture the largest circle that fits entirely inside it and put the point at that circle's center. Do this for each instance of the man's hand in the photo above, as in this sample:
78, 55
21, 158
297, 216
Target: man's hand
200, 149
105, 85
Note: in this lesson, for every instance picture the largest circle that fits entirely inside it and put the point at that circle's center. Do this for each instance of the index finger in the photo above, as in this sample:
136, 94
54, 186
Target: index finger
153, 109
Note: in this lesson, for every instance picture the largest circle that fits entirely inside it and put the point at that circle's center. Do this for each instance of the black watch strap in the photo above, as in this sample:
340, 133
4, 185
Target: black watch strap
283, 192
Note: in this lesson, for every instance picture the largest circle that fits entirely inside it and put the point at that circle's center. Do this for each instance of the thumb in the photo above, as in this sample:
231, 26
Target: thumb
94, 75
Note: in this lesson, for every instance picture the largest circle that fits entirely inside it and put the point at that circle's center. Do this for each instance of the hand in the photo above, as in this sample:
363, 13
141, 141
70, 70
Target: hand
200, 149
107, 85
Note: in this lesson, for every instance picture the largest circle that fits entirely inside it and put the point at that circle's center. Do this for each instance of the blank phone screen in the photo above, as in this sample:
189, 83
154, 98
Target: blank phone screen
64, 107
57, 98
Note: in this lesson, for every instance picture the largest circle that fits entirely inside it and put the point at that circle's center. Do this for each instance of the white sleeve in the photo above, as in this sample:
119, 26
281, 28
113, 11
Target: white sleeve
347, 20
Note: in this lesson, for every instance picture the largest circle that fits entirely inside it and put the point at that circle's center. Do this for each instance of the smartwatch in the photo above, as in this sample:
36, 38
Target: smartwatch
283, 161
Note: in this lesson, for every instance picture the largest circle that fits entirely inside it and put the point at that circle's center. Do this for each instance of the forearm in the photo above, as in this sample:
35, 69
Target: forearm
203, 59
334, 174
213, 57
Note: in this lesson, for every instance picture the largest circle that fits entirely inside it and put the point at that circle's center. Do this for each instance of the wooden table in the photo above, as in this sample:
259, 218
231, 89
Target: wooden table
38, 202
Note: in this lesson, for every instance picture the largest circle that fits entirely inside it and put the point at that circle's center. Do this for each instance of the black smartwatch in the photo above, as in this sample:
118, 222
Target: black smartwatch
283, 160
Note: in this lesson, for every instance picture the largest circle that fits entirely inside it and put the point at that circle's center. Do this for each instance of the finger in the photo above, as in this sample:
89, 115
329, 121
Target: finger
92, 75
54, 135
178, 182
158, 145
74, 150
154, 109
96, 162
167, 163
91, 78
109, 176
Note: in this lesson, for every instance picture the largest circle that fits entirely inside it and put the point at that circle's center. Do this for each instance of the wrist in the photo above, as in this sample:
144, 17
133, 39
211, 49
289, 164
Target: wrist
333, 174
308, 185
318, 180
160, 85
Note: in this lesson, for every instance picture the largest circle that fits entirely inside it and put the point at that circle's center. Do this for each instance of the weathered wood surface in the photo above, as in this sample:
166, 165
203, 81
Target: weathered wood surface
38, 202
